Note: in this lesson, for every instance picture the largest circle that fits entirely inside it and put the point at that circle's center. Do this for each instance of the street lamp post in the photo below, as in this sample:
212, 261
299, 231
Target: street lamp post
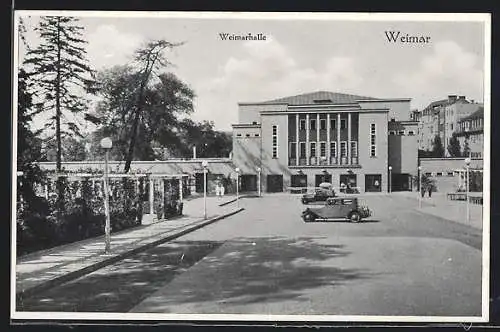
106, 144
259, 170
237, 170
467, 164
204, 163
420, 186
390, 179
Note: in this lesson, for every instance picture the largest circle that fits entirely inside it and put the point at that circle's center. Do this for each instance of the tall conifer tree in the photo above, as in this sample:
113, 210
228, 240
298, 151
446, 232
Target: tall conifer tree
62, 77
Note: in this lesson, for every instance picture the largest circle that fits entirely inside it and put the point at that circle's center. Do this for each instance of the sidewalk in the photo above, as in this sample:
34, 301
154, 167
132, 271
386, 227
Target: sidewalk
439, 205
44, 269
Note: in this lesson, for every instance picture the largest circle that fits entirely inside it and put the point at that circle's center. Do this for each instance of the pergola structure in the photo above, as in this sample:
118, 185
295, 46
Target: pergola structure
98, 179
462, 175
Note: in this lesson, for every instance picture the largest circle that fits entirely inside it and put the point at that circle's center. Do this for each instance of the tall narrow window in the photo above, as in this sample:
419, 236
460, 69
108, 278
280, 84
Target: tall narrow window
293, 150
354, 149
333, 149
312, 124
322, 124
313, 149
343, 123
275, 141
343, 149
333, 124
373, 140
302, 146
302, 124
322, 149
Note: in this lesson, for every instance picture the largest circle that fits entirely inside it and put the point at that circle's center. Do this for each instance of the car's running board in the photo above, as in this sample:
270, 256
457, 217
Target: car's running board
329, 219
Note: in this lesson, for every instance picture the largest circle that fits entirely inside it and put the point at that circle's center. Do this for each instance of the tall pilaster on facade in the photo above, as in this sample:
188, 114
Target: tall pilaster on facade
308, 155
328, 144
349, 160
297, 139
339, 157
318, 146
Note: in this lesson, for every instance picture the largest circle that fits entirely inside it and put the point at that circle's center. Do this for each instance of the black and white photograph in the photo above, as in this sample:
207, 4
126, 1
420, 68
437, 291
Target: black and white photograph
246, 166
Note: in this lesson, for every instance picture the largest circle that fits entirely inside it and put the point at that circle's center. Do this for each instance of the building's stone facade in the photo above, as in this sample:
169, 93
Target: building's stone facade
325, 137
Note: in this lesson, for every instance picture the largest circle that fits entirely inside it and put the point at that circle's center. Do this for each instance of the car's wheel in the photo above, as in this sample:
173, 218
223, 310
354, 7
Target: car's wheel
304, 201
355, 217
308, 217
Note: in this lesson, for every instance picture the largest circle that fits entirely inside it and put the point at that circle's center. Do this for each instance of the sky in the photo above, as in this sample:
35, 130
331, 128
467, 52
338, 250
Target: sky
299, 56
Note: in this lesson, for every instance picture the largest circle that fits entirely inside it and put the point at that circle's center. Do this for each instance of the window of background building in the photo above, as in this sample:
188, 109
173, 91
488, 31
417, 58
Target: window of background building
322, 124
312, 124
322, 149
302, 123
313, 149
333, 123
373, 140
411, 133
239, 135
343, 149
333, 149
401, 133
392, 132
275, 141
342, 123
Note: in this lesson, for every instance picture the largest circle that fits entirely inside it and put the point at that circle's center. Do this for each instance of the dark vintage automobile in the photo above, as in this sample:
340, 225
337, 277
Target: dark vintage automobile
319, 195
337, 208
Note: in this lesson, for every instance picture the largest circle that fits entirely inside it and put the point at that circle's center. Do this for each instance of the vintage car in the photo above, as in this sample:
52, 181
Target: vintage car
337, 208
320, 194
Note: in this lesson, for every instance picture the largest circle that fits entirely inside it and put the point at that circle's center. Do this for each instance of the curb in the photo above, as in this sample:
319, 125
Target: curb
234, 199
96, 266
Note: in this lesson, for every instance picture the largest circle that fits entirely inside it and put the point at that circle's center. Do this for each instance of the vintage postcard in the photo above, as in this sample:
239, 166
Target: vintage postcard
215, 166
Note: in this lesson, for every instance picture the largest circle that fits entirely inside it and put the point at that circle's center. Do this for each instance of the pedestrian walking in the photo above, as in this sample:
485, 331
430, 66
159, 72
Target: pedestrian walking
430, 191
222, 189
217, 189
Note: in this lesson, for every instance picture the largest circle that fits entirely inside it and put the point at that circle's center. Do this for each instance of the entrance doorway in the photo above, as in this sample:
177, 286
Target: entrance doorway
299, 181
373, 182
274, 183
248, 182
320, 178
401, 182
350, 182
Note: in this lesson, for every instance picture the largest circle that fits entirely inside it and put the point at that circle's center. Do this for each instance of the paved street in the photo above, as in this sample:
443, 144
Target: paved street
266, 260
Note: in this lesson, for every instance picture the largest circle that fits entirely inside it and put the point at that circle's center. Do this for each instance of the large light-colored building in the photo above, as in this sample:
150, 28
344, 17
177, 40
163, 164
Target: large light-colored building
304, 140
441, 118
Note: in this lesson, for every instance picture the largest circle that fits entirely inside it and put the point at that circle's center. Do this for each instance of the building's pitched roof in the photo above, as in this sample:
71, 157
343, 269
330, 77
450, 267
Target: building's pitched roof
479, 114
319, 97
445, 102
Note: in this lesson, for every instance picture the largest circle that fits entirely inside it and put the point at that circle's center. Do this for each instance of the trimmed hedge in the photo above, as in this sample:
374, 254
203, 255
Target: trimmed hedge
43, 223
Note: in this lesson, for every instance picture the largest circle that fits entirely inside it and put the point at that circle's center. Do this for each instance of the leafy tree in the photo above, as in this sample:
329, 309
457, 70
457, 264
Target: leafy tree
466, 149
437, 147
454, 147
209, 142
150, 59
59, 68
72, 149
160, 125
28, 144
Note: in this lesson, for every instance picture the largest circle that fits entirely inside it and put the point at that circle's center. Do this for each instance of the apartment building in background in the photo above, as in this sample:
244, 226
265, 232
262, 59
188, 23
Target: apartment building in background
307, 139
470, 132
442, 118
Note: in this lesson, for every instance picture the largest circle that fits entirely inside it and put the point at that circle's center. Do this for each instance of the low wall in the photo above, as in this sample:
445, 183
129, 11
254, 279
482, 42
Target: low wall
444, 171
